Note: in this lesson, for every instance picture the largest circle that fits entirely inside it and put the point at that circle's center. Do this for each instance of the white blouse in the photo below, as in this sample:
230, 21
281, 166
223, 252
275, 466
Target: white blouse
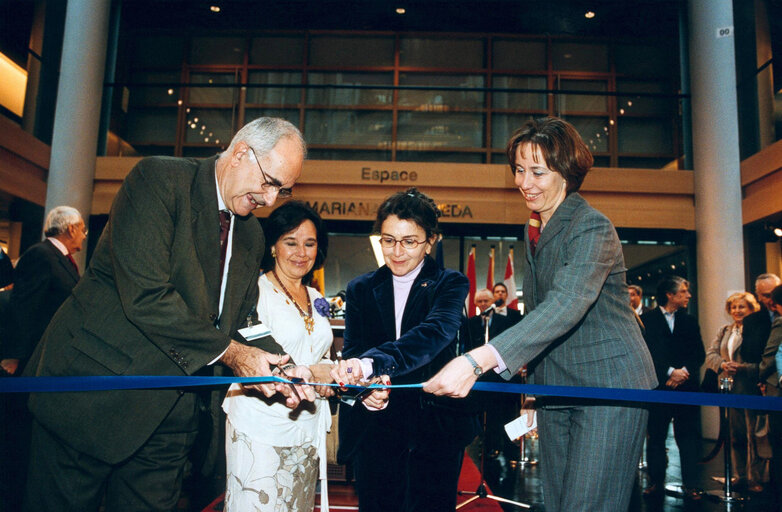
269, 420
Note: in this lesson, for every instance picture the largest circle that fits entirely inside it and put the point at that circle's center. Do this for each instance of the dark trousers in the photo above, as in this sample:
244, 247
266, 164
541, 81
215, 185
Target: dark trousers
395, 473
686, 431
15, 424
64, 479
775, 438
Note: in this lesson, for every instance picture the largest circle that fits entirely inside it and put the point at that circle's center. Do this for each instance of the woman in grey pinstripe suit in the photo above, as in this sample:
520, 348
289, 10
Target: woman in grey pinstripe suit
579, 329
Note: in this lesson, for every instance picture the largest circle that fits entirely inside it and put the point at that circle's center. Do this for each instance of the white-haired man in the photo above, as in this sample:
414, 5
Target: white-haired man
44, 277
172, 279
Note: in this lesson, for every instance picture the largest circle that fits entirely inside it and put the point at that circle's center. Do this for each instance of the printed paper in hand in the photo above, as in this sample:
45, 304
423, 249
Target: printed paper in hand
518, 427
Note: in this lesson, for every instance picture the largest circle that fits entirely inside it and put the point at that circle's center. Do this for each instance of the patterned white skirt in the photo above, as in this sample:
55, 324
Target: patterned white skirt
267, 478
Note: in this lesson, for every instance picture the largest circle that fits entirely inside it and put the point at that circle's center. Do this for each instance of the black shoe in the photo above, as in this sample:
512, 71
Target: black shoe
653, 490
692, 494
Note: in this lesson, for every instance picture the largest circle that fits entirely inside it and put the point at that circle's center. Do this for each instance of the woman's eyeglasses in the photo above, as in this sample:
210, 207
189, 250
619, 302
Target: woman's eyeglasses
389, 242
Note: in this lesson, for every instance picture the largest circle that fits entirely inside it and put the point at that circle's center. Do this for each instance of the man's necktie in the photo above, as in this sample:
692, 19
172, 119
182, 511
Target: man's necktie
534, 231
225, 226
73, 262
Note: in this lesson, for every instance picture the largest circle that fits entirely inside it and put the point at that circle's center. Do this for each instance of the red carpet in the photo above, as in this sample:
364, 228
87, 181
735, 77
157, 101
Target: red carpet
343, 498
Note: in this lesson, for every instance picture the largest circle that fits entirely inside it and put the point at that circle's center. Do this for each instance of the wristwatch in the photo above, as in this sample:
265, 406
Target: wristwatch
476, 368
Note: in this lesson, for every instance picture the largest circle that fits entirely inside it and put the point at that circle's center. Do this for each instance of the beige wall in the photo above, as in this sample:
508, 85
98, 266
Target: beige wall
468, 193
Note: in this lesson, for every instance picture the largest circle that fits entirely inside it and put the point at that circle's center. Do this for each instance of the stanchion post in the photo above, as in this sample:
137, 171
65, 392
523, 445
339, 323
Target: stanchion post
727, 495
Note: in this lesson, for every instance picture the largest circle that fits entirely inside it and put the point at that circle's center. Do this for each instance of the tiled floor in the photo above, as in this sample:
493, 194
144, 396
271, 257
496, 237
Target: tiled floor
524, 485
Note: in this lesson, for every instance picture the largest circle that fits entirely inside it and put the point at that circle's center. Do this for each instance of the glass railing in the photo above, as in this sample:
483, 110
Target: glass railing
427, 117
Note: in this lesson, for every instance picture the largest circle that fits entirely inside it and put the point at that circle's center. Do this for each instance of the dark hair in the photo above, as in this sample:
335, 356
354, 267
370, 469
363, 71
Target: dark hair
669, 284
410, 205
499, 283
561, 146
776, 295
286, 218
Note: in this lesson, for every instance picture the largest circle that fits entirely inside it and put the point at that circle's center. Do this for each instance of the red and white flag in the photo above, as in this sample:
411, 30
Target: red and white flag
490, 271
470, 300
510, 282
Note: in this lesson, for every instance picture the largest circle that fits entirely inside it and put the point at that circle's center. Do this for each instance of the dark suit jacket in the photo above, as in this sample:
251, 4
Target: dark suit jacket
755, 332
497, 324
682, 347
430, 324
769, 374
578, 329
513, 316
44, 278
147, 305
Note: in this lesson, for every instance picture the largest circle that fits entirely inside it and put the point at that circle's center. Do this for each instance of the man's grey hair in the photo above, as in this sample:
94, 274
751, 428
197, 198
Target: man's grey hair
638, 289
59, 219
264, 133
769, 276
484, 291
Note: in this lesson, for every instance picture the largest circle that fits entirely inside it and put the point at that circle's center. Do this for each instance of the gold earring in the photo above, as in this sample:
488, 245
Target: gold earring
274, 253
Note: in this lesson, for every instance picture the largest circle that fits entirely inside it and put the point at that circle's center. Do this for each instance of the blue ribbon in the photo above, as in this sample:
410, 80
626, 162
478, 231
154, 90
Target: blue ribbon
107, 383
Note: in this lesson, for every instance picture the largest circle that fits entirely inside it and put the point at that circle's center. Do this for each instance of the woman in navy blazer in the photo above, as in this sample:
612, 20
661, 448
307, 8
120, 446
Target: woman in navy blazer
579, 329
401, 324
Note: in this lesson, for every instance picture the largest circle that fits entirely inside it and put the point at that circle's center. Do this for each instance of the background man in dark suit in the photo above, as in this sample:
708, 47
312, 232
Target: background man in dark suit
497, 323
500, 408
501, 293
44, 278
172, 279
636, 299
768, 372
757, 326
674, 341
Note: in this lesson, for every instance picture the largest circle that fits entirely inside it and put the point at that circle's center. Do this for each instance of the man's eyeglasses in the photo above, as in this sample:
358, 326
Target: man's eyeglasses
267, 185
389, 242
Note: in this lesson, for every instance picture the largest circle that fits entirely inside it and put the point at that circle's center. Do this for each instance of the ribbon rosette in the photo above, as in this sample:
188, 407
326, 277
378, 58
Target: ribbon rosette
322, 306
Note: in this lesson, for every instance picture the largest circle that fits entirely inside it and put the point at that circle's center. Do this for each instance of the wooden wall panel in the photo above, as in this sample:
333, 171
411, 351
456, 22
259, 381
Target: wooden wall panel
467, 193
761, 183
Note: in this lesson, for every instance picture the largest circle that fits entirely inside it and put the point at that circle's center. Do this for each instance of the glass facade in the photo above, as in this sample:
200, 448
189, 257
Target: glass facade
399, 96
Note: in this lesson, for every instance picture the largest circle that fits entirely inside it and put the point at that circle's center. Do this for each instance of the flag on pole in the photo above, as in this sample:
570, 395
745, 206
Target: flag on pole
470, 301
510, 282
490, 272
438, 254
319, 281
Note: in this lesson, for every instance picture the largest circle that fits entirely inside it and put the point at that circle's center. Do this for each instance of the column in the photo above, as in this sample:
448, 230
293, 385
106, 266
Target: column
716, 161
77, 115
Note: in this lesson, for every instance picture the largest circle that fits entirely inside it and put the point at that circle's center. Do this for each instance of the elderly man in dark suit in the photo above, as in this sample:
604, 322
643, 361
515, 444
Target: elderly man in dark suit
757, 326
769, 373
674, 340
172, 279
44, 277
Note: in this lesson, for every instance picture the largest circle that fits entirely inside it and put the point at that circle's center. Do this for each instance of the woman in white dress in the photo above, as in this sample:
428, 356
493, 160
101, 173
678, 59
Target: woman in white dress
274, 454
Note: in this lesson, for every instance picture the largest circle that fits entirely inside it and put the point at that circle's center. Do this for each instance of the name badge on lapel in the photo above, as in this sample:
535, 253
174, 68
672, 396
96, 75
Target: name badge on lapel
255, 331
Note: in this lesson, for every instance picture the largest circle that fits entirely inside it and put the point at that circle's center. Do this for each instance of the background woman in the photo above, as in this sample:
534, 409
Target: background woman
578, 330
274, 453
726, 356
402, 322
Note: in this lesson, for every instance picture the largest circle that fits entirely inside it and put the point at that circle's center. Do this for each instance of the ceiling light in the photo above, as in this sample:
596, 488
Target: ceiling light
589, 15
214, 8
400, 10
778, 232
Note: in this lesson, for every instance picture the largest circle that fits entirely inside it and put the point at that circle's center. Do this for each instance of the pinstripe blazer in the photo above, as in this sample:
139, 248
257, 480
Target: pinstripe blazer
579, 329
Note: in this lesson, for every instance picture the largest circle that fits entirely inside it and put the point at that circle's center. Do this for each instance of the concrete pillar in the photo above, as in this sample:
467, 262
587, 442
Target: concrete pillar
77, 116
718, 221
